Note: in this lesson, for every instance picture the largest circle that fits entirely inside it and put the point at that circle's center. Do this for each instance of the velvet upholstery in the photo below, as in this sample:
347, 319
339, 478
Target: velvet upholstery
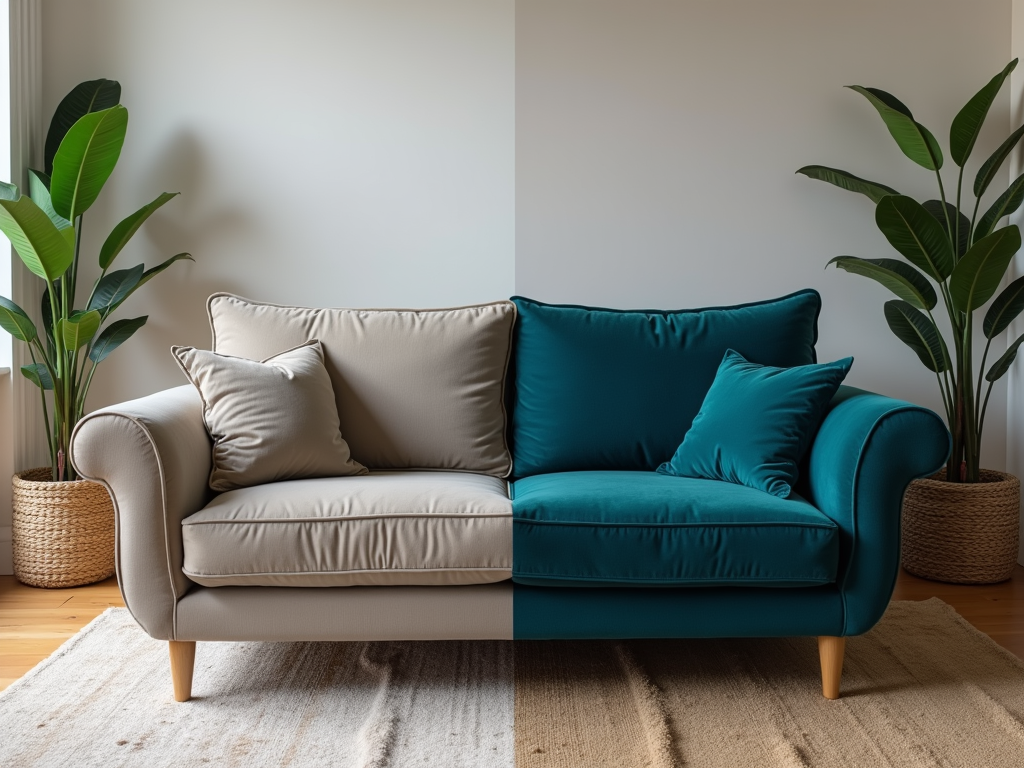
756, 423
604, 389
645, 529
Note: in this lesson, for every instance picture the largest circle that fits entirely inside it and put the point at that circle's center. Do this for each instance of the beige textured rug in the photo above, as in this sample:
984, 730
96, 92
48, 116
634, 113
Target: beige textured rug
923, 688
104, 699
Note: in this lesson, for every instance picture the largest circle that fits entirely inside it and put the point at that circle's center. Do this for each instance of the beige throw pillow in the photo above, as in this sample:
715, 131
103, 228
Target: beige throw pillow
269, 420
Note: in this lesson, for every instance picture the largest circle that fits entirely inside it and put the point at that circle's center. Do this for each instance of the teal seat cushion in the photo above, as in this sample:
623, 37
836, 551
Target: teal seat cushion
645, 529
756, 423
604, 389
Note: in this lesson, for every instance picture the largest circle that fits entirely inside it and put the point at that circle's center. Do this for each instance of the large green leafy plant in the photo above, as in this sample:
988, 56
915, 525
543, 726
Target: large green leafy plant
45, 227
953, 259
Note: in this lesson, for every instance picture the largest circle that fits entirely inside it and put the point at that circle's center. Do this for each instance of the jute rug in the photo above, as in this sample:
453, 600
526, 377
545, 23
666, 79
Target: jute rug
921, 689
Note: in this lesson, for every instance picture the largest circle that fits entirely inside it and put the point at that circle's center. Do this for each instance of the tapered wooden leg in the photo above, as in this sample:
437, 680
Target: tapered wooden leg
183, 660
830, 651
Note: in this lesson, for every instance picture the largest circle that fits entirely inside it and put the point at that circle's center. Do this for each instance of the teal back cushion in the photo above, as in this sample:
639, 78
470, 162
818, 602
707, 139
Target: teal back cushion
606, 389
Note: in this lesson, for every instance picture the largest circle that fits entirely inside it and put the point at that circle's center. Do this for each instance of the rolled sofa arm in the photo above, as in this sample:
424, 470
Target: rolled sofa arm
153, 455
867, 452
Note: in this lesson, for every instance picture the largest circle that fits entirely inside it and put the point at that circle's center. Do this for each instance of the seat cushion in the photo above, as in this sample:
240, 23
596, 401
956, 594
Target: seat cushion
646, 529
415, 388
612, 389
383, 528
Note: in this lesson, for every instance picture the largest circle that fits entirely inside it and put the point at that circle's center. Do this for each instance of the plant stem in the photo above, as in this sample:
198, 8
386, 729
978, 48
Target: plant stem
956, 237
46, 416
945, 212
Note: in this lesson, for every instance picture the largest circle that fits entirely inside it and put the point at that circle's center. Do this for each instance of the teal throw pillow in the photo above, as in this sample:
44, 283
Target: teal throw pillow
756, 423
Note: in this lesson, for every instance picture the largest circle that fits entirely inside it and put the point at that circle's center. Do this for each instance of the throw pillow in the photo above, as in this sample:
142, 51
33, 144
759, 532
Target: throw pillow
270, 420
756, 423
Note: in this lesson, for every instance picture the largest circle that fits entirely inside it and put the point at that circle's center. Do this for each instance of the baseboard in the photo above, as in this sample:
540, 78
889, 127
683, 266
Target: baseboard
6, 553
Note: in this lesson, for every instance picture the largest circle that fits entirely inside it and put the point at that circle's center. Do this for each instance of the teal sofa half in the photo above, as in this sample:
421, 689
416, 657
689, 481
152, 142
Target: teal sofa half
603, 547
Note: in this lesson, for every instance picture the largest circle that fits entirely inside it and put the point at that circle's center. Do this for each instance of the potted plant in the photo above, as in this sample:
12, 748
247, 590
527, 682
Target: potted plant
961, 525
63, 527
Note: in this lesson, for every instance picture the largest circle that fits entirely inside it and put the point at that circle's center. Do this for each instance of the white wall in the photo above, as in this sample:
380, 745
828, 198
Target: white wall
428, 153
350, 153
656, 144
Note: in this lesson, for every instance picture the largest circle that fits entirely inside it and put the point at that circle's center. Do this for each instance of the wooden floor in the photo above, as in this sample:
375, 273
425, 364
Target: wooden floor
34, 622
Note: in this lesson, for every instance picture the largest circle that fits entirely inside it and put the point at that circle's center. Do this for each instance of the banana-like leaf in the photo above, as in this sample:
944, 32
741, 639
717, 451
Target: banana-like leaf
914, 329
90, 96
16, 322
848, 181
38, 242
78, 330
967, 124
934, 207
123, 232
1004, 309
113, 336
1002, 365
85, 160
976, 277
1005, 205
39, 191
38, 375
900, 278
991, 167
913, 139
114, 288
8, 191
149, 274
915, 233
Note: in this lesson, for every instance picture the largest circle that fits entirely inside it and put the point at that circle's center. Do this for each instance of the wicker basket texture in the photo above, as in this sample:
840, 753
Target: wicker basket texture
63, 532
964, 533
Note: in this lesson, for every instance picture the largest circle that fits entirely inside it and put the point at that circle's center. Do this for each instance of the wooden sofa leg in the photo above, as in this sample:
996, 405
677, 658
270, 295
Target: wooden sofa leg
830, 651
183, 659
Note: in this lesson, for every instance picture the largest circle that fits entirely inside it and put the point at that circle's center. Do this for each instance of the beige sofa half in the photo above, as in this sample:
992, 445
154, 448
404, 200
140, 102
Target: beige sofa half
420, 548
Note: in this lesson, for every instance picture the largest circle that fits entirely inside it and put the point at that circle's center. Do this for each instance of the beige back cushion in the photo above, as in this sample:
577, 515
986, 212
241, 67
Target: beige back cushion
415, 389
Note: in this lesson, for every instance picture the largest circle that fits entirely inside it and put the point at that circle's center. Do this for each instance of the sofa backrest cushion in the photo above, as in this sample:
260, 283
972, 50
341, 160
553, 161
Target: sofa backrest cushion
415, 389
605, 389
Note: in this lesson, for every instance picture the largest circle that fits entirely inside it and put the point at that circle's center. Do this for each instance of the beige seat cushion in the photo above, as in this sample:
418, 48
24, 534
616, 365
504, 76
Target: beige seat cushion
269, 420
381, 529
415, 389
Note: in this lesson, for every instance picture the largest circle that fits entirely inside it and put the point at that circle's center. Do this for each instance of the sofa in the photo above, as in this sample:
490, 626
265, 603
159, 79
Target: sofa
511, 490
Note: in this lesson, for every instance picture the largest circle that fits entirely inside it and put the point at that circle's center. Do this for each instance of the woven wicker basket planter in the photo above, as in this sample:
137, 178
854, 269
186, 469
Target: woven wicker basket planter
964, 533
63, 532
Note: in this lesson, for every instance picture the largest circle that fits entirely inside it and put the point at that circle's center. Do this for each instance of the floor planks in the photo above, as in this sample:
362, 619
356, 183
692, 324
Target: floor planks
34, 622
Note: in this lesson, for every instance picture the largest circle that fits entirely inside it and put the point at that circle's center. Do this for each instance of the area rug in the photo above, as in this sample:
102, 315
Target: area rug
104, 699
921, 689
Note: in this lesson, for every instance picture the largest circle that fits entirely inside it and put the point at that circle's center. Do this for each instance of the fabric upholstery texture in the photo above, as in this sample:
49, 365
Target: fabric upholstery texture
603, 389
612, 613
646, 529
269, 420
415, 389
153, 457
756, 423
867, 451
379, 529
468, 612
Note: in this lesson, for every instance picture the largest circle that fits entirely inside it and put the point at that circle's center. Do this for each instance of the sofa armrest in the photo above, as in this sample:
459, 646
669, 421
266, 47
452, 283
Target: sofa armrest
867, 452
153, 455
